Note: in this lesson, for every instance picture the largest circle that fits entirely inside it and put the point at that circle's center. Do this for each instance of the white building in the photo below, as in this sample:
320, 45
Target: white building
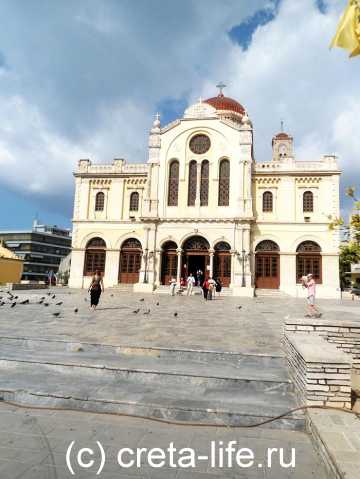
202, 202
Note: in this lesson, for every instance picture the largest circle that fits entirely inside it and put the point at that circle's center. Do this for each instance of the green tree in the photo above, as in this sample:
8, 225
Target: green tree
349, 253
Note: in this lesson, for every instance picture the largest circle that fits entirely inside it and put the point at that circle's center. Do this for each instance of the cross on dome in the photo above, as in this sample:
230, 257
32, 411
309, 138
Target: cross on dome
221, 86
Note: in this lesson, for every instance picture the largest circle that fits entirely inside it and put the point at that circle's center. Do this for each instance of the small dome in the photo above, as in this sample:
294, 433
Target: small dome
225, 103
282, 136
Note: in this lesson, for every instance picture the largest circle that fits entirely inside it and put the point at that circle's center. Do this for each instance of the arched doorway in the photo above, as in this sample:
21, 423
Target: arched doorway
168, 262
267, 265
308, 260
95, 256
222, 263
195, 256
130, 261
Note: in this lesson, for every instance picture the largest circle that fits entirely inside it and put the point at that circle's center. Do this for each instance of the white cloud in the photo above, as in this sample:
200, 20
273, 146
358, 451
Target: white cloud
288, 72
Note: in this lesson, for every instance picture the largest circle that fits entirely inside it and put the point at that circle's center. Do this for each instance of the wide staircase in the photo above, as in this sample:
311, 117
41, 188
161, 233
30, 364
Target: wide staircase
196, 291
172, 384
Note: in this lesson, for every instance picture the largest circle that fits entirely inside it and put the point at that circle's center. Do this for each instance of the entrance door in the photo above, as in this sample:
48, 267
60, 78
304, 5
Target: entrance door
267, 271
267, 265
130, 261
222, 268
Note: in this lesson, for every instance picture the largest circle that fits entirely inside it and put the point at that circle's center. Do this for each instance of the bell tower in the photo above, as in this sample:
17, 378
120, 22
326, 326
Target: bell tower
282, 146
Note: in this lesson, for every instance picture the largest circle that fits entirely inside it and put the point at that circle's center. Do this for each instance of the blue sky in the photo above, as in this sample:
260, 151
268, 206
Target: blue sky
84, 79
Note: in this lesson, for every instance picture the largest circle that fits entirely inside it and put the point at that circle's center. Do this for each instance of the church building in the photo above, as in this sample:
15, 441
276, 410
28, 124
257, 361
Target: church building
203, 202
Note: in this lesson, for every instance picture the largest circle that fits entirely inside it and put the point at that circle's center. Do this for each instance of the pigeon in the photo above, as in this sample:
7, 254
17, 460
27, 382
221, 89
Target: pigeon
147, 311
2, 303
158, 304
85, 299
136, 311
42, 297
16, 297
239, 307
56, 314
26, 301
54, 296
59, 303
46, 304
13, 305
175, 314
76, 310
111, 295
41, 301
142, 299
49, 293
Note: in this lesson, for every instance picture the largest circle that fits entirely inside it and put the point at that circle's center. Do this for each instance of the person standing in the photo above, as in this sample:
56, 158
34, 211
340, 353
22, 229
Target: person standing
205, 288
218, 286
190, 284
172, 286
309, 283
95, 289
211, 292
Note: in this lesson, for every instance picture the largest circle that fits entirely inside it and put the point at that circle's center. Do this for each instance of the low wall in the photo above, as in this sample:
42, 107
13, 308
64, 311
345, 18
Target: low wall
320, 372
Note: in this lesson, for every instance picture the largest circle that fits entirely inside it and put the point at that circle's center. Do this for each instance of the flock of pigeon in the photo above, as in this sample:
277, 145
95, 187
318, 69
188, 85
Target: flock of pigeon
48, 300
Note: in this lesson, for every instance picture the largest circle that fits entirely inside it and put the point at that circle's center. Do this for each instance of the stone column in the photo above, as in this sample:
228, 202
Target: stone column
178, 274
112, 263
233, 256
211, 271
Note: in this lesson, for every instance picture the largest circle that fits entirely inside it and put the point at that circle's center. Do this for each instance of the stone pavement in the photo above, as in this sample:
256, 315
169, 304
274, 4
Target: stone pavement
218, 325
33, 445
337, 438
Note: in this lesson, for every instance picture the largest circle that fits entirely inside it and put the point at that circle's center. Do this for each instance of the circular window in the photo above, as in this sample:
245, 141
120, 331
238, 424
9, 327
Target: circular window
200, 144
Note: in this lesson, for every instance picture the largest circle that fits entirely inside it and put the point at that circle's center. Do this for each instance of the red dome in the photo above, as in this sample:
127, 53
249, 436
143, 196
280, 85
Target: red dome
222, 102
282, 136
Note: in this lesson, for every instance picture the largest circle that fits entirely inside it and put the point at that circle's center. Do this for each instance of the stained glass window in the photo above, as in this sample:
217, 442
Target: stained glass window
204, 183
173, 193
192, 183
200, 144
224, 183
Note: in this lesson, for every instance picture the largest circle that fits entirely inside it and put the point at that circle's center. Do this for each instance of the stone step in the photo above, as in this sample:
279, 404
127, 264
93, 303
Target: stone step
270, 292
28, 386
182, 385
196, 291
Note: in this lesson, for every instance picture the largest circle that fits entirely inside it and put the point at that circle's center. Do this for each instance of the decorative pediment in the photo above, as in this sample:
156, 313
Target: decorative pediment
200, 110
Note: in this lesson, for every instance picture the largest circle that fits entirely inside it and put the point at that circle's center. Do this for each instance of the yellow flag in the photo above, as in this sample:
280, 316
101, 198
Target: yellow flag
348, 32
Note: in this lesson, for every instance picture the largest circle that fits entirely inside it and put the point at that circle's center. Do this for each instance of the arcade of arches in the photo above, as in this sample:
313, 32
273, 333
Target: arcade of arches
196, 254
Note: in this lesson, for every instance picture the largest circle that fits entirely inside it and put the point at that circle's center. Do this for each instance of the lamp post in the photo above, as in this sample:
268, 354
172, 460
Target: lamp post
243, 253
146, 256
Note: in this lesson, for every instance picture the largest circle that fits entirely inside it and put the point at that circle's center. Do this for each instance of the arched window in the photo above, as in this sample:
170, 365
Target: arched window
134, 201
308, 202
267, 203
173, 183
168, 262
222, 263
308, 260
95, 256
204, 183
224, 183
192, 183
99, 201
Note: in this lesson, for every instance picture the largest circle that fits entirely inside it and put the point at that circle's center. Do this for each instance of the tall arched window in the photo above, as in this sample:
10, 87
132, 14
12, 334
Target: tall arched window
173, 192
99, 201
224, 183
95, 255
192, 183
308, 260
267, 203
308, 202
204, 183
134, 201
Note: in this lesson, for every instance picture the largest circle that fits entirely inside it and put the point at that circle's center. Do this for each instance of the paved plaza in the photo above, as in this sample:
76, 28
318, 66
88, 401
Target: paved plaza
217, 325
33, 445
135, 355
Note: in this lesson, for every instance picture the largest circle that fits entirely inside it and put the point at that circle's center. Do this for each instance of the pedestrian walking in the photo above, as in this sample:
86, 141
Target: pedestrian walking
205, 288
309, 283
218, 286
190, 284
172, 286
95, 289
211, 292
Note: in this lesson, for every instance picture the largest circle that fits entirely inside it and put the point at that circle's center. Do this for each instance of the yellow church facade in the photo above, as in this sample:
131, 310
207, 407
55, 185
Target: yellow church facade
202, 203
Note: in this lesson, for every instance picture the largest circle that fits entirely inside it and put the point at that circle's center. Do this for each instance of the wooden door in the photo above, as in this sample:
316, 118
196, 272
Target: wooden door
267, 270
168, 267
130, 263
222, 268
